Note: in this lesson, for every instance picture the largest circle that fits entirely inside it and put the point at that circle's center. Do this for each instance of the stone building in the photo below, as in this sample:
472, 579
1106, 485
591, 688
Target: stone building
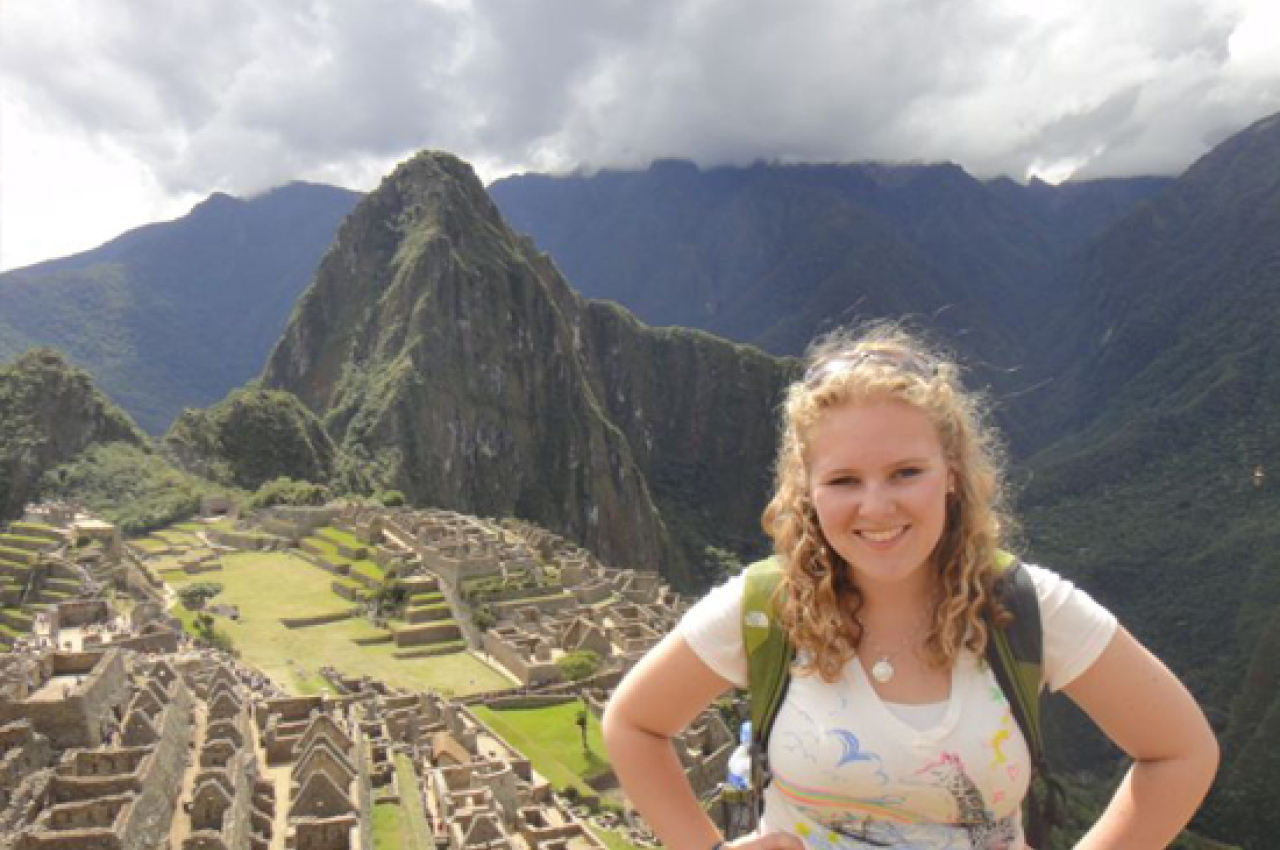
104, 753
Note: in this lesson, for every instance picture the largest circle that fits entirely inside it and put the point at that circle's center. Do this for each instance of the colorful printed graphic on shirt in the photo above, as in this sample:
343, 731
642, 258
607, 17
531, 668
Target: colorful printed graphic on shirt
848, 774
832, 821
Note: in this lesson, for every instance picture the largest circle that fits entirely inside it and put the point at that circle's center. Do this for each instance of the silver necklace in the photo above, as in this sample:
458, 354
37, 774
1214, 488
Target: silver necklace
883, 670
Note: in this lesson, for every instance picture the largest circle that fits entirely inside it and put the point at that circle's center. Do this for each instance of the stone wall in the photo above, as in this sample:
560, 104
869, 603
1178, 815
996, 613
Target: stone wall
74, 718
427, 634
318, 619
82, 612
528, 671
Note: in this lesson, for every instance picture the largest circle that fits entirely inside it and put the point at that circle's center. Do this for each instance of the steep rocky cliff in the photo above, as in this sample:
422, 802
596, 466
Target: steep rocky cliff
452, 359
49, 413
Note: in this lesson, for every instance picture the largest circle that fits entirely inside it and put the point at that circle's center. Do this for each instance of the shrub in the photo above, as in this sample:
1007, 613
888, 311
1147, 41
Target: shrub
580, 664
286, 491
484, 618
390, 498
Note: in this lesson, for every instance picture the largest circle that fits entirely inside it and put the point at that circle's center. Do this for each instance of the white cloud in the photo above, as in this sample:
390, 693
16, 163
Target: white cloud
152, 101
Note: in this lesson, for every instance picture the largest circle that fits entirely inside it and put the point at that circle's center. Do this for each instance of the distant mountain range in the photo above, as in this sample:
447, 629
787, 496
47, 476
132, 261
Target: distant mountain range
177, 314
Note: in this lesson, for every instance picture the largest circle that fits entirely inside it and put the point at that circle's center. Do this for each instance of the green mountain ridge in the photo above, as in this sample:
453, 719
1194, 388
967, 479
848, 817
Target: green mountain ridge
177, 314
51, 413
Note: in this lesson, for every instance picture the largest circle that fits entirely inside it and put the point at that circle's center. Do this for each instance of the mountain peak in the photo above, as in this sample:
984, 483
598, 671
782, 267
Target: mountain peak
217, 202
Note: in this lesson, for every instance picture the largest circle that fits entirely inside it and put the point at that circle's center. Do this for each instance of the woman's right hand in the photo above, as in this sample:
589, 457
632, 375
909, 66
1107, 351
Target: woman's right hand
771, 841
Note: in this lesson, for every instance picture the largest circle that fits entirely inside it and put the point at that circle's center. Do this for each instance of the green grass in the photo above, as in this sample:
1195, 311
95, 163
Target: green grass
18, 556
33, 526
337, 535
552, 741
326, 540
614, 840
224, 524
151, 544
367, 569
178, 538
389, 827
38, 542
266, 586
415, 834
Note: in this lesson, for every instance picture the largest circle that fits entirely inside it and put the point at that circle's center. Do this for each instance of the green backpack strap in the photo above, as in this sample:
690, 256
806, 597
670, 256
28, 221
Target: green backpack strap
769, 657
1015, 654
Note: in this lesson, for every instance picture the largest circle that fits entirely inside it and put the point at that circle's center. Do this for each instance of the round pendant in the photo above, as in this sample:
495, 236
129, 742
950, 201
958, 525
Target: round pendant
882, 671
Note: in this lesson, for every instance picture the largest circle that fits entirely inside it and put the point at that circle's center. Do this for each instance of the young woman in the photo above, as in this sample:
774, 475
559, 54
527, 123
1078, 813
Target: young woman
886, 519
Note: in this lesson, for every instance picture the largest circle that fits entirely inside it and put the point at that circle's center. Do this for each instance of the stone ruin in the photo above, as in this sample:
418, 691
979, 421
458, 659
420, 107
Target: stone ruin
115, 733
618, 614
104, 738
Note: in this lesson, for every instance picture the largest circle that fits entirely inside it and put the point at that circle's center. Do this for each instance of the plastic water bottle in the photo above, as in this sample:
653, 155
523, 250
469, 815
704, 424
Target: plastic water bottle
740, 761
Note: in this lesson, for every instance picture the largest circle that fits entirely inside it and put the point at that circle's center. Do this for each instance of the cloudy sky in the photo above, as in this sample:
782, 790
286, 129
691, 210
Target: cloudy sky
113, 114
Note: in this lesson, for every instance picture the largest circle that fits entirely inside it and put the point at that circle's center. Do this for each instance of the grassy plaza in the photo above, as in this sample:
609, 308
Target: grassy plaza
552, 740
266, 586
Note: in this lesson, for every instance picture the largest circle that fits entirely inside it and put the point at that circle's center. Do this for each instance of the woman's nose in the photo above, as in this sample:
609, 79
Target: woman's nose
876, 501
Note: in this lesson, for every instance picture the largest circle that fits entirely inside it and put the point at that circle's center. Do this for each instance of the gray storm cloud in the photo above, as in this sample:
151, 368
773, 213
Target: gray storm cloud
241, 94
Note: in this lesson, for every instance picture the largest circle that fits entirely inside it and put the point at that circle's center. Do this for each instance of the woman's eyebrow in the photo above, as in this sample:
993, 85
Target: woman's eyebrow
895, 464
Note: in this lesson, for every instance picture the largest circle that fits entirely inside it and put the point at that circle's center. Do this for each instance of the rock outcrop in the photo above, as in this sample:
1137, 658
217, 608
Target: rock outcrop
451, 358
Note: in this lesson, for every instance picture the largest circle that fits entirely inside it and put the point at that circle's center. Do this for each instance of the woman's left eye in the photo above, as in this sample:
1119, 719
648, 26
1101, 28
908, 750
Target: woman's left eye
909, 472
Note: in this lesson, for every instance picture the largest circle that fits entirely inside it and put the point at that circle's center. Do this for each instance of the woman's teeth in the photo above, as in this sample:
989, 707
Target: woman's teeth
883, 536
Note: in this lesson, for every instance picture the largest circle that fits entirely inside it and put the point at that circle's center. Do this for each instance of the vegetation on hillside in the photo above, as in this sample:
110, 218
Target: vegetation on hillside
49, 412
251, 437
128, 485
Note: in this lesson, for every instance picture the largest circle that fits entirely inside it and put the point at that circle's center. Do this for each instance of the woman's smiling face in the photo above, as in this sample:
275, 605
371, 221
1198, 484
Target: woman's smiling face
878, 479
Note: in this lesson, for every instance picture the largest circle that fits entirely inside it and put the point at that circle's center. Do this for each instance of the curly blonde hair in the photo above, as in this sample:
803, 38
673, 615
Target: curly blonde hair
820, 600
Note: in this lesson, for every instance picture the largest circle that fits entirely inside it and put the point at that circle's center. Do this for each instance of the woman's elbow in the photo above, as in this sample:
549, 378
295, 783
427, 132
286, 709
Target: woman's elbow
615, 724
1199, 756
1208, 754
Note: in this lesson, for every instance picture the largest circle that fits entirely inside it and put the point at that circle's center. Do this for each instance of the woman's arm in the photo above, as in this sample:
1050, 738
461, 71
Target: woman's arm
1146, 711
654, 703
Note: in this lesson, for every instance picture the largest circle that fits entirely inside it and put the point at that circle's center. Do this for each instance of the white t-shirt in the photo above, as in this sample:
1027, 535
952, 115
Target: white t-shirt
850, 771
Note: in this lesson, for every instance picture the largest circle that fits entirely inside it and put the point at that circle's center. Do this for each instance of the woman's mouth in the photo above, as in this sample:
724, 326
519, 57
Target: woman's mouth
882, 536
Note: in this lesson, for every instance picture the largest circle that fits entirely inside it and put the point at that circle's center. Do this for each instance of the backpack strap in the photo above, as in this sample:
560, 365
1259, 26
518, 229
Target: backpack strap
769, 657
1015, 654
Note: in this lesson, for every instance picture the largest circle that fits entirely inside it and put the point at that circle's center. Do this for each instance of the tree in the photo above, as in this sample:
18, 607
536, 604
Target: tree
579, 664
582, 725
194, 596
484, 618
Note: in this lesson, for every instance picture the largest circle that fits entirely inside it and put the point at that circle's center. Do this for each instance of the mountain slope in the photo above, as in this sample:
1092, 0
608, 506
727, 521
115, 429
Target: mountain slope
176, 314
51, 413
1164, 493
452, 359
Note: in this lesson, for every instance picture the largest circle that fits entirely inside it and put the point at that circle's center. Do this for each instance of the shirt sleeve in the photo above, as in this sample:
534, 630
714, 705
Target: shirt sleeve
1076, 628
713, 629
